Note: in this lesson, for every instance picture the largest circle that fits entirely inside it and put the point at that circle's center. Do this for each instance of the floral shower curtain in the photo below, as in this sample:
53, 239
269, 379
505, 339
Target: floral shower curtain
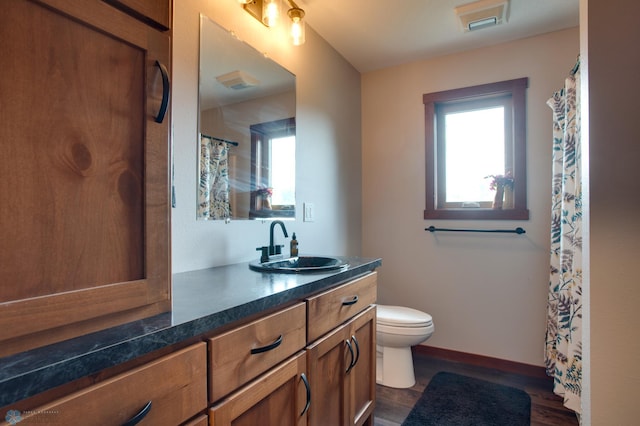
213, 189
563, 354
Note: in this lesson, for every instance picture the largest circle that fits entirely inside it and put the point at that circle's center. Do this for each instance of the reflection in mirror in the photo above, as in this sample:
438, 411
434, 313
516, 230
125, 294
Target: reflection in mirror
246, 156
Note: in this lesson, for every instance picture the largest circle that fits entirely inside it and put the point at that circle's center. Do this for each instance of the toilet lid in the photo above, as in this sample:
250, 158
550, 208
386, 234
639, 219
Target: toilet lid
402, 316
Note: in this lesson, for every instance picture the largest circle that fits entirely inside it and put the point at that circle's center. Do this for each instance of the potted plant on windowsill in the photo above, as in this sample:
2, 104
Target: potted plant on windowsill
263, 198
503, 185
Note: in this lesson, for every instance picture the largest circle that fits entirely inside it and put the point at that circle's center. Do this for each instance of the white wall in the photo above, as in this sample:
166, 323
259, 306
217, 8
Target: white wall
486, 292
328, 144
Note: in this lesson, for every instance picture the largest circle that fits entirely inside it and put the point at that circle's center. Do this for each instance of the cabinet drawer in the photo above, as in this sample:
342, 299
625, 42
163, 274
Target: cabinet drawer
327, 310
238, 356
174, 384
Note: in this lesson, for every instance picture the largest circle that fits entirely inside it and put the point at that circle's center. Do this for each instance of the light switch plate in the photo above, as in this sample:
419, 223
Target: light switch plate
309, 212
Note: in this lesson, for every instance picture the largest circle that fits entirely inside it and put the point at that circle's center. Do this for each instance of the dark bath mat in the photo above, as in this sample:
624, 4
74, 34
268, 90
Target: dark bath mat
456, 400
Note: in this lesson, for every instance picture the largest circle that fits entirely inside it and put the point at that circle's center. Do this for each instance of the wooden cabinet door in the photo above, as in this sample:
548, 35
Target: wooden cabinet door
328, 360
278, 397
84, 171
362, 376
342, 373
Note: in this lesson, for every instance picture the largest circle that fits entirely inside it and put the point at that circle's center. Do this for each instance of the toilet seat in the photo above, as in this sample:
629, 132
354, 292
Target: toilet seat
401, 316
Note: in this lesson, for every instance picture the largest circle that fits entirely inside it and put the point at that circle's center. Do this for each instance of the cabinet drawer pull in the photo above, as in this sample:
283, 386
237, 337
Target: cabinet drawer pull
353, 301
165, 92
268, 347
138, 417
306, 385
355, 342
351, 364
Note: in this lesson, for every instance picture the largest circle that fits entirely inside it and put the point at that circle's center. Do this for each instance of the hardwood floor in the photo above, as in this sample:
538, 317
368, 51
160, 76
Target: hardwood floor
394, 405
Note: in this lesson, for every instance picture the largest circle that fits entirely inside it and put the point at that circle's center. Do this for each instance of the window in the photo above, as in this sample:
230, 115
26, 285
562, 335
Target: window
470, 134
273, 156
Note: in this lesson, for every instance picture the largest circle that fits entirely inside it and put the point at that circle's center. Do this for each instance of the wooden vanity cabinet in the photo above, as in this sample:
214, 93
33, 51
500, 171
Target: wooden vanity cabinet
167, 391
84, 172
330, 382
342, 363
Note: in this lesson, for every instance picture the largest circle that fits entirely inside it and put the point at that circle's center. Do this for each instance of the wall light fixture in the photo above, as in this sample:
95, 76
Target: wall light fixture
268, 11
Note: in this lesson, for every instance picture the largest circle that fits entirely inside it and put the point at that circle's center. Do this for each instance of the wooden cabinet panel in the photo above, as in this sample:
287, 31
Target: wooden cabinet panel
342, 373
328, 361
279, 397
153, 12
327, 310
198, 421
362, 377
274, 338
175, 385
86, 234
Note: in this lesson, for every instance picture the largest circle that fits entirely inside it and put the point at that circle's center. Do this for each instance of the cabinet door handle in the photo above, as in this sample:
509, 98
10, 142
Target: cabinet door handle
306, 385
355, 342
268, 347
138, 417
165, 92
353, 301
351, 364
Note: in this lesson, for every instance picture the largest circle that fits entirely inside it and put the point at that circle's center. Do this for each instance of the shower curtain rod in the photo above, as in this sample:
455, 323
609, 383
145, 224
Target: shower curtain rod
219, 140
518, 230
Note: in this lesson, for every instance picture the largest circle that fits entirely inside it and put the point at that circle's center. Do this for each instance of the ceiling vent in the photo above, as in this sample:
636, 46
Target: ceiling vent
238, 80
482, 14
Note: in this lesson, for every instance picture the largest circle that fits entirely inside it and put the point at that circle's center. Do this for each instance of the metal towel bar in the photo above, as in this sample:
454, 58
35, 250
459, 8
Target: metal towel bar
518, 230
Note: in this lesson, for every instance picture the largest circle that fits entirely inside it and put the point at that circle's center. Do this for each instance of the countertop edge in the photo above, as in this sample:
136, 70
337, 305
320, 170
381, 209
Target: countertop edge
27, 374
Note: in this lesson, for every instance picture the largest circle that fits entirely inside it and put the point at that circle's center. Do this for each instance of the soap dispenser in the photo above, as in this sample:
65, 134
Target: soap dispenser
294, 246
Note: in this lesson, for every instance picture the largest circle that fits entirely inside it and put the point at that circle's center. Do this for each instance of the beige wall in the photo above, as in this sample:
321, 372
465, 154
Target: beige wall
610, 43
328, 154
486, 292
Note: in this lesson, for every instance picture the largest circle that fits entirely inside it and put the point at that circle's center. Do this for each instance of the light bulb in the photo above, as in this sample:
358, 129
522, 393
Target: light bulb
270, 12
297, 31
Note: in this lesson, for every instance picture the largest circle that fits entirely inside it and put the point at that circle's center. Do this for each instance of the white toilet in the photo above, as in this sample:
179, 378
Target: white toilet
399, 328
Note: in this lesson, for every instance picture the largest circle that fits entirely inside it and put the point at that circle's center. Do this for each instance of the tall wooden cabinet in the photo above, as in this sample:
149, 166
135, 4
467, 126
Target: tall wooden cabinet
84, 172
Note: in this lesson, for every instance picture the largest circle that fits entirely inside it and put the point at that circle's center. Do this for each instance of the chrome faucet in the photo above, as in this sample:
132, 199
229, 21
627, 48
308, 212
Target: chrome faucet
272, 249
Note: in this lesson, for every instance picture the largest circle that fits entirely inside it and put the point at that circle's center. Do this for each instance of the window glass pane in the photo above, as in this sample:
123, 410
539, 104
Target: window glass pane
283, 175
475, 148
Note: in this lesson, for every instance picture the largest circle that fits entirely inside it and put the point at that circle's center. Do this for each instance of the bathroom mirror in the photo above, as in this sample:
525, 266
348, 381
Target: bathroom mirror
247, 138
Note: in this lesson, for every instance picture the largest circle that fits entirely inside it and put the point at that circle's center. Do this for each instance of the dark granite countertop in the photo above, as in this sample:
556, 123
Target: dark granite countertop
203, 301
